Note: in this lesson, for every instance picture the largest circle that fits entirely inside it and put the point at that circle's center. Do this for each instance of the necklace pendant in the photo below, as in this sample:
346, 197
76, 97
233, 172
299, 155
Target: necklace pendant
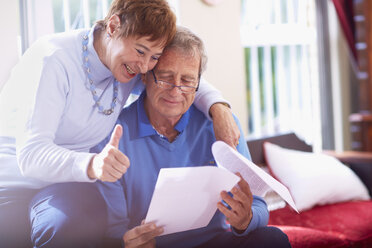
108, 111
92, 87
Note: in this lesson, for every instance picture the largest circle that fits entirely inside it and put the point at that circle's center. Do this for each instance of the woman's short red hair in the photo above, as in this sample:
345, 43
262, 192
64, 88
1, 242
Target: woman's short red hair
152, 18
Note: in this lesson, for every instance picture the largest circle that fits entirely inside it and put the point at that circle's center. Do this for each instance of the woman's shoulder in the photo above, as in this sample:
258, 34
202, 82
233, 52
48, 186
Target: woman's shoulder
64, 39
66, 46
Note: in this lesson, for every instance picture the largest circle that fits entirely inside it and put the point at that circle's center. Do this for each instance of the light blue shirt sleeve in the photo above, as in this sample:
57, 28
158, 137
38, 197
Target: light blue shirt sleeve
114, 197
242, 147
260, 213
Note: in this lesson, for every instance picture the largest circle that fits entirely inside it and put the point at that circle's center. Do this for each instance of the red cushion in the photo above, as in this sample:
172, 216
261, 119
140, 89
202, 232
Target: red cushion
353, 220
302, 237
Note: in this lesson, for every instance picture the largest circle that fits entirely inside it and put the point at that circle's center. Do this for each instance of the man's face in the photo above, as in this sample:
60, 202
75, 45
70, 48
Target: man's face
173, 67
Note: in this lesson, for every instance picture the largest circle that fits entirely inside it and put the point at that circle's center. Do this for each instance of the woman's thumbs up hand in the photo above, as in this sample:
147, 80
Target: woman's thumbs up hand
110, 164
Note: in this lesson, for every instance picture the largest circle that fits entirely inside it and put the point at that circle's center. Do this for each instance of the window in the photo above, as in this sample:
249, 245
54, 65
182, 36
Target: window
40, 17
279, 39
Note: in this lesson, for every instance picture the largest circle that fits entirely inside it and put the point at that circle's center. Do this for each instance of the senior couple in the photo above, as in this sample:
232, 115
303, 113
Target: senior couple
164, 129
55, 191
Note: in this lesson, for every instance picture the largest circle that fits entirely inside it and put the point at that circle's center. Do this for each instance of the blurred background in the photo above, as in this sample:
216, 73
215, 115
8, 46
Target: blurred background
284, 65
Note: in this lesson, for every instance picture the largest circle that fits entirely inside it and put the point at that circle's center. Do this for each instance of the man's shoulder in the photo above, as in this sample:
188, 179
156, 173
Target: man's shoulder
197, 116
198, 120
129, 113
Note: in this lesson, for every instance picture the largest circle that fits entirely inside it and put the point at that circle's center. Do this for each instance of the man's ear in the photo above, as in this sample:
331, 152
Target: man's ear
113, 25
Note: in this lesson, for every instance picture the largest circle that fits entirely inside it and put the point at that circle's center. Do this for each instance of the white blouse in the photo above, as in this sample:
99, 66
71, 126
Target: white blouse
48, 108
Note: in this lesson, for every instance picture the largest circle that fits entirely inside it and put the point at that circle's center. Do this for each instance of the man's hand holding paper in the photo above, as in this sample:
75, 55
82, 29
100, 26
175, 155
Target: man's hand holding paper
142, 236
259, 181
239, 214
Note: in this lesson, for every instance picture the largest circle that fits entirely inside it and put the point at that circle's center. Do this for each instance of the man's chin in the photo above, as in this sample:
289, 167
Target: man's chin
172, 114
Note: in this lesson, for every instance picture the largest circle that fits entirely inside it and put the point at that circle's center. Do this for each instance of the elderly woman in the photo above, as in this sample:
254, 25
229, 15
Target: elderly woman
63, 98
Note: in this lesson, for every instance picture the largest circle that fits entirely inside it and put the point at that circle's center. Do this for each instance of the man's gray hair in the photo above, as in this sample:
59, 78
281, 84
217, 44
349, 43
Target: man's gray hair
189, 43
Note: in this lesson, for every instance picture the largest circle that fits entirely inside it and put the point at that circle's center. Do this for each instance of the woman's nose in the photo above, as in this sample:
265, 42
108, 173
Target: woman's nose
144, 65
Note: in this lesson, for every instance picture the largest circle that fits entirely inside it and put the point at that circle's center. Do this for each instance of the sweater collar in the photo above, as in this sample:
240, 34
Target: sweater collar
99, 71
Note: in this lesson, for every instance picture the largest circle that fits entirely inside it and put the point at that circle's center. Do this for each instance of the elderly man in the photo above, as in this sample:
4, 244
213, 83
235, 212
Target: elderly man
163, 129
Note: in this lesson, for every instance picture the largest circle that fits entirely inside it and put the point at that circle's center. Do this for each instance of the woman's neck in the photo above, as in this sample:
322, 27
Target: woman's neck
99, 44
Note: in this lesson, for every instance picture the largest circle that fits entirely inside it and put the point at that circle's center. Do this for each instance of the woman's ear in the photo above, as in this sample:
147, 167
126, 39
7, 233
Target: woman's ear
113, 25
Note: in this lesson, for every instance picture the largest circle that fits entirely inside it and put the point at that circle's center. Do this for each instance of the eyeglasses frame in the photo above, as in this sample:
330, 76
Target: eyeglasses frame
176, 86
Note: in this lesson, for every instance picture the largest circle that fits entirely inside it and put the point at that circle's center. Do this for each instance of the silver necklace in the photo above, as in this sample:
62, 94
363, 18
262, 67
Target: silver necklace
92, 87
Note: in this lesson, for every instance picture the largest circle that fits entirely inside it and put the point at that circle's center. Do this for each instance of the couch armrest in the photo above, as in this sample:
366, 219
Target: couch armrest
359, 162
351, 156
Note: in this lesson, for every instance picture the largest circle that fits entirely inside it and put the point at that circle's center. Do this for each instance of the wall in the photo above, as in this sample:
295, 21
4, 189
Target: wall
218, 26
340, 70
9, 21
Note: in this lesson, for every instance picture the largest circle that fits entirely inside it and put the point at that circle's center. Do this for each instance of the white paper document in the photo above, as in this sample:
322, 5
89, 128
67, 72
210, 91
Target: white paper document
186, 198
259, 181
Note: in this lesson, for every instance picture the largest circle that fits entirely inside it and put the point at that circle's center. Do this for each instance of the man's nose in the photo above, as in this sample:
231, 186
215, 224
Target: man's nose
175, 90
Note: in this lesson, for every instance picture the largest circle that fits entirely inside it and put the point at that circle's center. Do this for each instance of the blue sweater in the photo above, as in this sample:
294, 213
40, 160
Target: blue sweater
128, 199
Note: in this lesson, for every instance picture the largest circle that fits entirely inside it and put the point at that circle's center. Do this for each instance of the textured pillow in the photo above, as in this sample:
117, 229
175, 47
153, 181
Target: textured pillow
312, 178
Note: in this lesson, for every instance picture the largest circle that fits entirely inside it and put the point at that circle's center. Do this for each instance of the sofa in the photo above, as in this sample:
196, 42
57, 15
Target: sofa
332, 221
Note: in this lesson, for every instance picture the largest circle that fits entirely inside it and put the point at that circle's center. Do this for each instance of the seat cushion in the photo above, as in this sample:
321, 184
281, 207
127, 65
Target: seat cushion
302, 237
351, 219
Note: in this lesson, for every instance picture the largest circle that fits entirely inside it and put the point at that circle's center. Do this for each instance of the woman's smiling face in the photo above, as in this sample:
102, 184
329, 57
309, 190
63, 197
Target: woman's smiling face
128, 56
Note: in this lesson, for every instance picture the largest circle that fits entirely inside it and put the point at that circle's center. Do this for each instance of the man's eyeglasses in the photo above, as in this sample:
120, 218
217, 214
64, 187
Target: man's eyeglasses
183, 88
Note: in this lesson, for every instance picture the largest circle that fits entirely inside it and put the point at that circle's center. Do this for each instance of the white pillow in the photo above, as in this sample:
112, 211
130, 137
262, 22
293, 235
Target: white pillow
312, 178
